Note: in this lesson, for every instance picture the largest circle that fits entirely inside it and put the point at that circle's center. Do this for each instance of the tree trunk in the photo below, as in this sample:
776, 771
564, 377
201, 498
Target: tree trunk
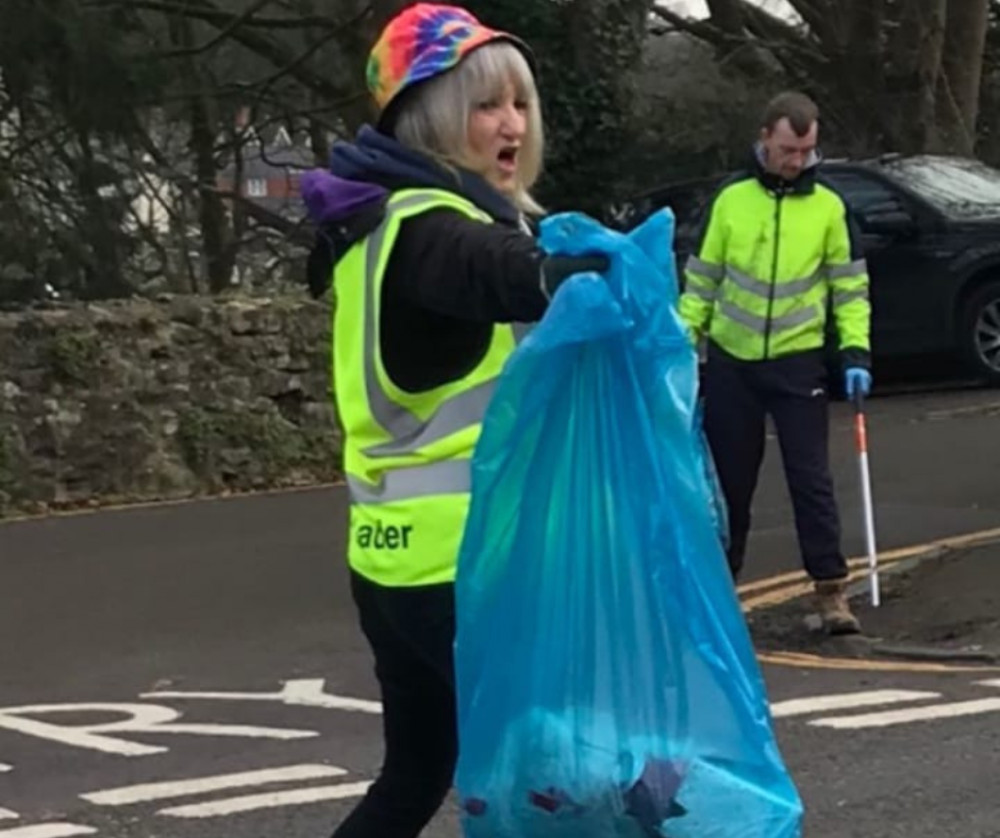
914, 62
860, 65
215, 233
100, 227
727, 15
204, 124
961, 73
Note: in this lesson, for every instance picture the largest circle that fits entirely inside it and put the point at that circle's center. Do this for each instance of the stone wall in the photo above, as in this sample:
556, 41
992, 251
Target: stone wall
177, 397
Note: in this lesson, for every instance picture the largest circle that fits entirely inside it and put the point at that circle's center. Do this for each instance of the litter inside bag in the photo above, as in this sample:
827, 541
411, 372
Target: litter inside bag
606, 681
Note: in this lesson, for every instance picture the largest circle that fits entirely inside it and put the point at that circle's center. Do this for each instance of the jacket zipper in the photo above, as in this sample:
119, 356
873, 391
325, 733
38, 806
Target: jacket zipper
774, 274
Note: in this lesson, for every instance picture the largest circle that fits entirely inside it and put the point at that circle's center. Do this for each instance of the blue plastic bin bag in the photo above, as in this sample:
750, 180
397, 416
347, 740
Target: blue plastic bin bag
607, 684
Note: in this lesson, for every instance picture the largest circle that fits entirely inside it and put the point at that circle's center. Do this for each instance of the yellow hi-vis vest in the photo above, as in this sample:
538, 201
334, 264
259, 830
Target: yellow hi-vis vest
407, 456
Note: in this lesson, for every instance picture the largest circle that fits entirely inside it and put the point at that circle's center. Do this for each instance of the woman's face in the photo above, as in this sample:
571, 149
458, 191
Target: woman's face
496, 130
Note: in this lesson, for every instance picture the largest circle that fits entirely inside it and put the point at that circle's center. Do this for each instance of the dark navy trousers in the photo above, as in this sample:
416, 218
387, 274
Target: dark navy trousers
739, 395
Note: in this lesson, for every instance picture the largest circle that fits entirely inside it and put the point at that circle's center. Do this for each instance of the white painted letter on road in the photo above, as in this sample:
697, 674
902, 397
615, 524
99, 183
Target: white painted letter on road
143, 718
303, 692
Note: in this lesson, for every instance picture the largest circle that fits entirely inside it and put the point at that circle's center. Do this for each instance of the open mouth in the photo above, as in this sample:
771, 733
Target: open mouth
507, 159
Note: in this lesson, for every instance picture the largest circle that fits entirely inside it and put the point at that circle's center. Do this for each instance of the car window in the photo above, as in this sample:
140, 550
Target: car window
862, 194
958, 187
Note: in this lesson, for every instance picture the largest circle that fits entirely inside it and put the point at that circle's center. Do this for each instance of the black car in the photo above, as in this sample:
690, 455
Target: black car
930, 228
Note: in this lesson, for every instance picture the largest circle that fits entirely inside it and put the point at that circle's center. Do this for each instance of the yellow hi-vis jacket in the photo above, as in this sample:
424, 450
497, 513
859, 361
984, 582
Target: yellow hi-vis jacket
771, 260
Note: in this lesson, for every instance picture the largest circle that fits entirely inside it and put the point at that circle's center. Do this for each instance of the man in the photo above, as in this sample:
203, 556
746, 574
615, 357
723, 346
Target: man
777, 252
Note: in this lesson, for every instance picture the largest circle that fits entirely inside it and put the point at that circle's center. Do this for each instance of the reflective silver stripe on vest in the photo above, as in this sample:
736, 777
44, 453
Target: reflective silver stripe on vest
759, 324
842, 297
408, 431
783, 289
452, 477
706, 294
855, 268
452, 416
706, 269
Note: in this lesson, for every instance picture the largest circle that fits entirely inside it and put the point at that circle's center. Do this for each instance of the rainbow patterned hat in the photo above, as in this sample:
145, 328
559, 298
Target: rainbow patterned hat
423, 41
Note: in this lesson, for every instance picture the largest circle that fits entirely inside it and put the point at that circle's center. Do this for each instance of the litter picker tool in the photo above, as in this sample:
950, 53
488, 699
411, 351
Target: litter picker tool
861, 441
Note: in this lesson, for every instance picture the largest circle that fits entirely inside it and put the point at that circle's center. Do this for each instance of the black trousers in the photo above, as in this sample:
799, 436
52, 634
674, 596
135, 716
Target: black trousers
411, 632
738, 397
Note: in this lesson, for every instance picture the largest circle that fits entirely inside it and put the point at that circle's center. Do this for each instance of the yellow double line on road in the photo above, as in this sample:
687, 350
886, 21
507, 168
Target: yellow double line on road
775, 590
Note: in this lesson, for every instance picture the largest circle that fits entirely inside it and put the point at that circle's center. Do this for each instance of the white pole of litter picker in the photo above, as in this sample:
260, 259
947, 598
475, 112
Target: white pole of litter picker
861, 440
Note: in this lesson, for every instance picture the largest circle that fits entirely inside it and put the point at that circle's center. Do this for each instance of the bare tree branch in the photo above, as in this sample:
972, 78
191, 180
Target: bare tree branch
209, 13
707, 32
219, 38
781, 39
268, 48
821, 16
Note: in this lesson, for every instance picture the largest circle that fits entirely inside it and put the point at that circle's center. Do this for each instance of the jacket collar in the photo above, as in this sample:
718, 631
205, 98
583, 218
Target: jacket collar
376, 159
804, 184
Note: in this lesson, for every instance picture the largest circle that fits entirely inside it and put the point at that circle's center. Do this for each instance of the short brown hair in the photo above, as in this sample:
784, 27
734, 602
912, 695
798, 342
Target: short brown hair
800, 111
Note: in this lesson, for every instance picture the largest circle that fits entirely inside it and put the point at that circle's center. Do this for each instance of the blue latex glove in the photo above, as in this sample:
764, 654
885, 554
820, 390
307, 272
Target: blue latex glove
857, 380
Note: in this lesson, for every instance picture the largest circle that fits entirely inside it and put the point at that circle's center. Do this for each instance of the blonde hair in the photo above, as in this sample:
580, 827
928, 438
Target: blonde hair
434, 117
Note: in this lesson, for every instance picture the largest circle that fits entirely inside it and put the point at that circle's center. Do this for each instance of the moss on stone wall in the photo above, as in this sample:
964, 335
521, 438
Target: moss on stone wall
183, 396
229, 449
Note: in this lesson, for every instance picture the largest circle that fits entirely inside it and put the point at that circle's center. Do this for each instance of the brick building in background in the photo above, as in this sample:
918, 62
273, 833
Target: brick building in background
270, 170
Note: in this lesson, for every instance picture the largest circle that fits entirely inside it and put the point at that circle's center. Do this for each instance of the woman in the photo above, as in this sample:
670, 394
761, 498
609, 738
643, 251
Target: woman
422, 219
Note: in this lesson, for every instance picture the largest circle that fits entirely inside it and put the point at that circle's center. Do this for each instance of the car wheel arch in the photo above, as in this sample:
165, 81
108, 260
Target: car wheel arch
976, 279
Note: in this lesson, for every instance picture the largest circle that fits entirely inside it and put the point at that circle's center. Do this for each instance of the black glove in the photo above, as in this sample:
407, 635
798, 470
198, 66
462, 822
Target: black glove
557, 269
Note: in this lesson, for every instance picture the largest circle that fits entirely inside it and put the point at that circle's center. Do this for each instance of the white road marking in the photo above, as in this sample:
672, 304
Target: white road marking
910, 714
4, 767
181, 788
144, 718
846, 701
994, 682
293, 797
305, 692
47, 830
8, 815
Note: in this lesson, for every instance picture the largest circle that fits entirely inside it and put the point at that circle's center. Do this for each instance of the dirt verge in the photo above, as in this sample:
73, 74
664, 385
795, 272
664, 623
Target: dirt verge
946, 607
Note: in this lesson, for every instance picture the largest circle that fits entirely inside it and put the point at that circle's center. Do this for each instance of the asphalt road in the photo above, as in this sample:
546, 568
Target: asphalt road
139, 607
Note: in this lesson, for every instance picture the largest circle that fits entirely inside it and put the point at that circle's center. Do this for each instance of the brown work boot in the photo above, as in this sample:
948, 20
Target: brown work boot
833, 608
